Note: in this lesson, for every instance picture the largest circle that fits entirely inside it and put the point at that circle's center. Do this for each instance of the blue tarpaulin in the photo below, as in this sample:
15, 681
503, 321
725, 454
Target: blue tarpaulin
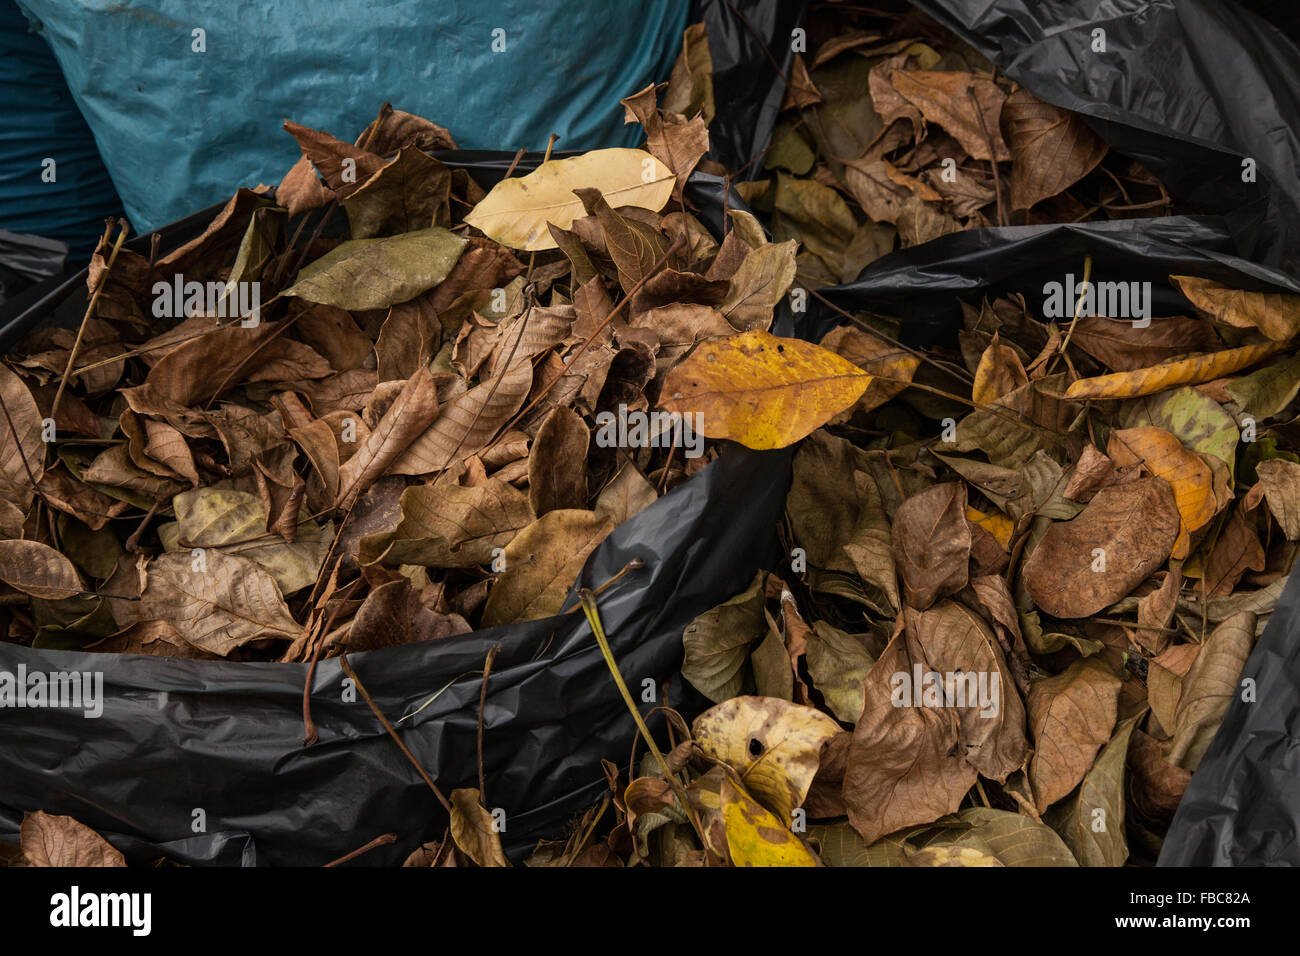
185, 97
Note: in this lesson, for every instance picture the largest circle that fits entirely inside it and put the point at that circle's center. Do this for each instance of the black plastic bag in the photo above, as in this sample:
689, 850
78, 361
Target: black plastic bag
186, 743
26, 260
1190, 89
750, 44
181, 741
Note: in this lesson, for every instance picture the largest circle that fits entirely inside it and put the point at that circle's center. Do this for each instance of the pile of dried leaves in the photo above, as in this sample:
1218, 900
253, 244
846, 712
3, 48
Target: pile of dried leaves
392, 440
1026, 567
894, 132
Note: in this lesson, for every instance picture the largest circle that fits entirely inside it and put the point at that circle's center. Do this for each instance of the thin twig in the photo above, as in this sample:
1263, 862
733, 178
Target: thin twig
1078, 307
133, 541
951, 369
598, 629
993, 156
634, 565
346, 665
90, 310
1164, 201
482, 703
377, 841
515, 162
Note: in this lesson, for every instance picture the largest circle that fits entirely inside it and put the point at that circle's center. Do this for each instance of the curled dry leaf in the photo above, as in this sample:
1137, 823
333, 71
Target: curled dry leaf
891, 366
411, 413
1092, 823
1157, 785
1171, 374
851, 538
542, 563
717, 642
234, 522
393, 614
903, 767
1275, 314
757, 837
475, 830
1208, 688
557, 474
449, 525
838, 664
409, 192
1187, 473
1267, 391
945, 99
1280, 480
999, 373
468, 422
22, 453
1122, 346
758, 285
951, 639
773, 745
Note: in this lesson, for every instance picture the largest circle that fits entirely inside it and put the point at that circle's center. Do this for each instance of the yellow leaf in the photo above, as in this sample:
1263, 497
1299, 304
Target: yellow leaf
1185, 371
1275, 314
1163, 454
761, 390
516, 211
999, 373
773, 744
757, 838
996, 524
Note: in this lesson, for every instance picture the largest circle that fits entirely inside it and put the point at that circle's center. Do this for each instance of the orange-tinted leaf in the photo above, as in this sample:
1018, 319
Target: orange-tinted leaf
761, 390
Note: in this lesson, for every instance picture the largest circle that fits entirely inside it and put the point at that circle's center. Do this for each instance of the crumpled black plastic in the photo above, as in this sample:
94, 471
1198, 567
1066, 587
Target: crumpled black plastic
26, 260
178, 736
750, 44
1189, 88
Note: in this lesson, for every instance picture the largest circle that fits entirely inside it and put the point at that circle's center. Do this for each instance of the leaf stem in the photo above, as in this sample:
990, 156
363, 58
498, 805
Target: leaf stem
346, 666
90, 310
593, 618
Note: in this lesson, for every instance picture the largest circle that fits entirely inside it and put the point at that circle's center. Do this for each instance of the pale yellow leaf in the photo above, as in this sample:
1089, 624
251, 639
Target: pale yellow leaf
516, 211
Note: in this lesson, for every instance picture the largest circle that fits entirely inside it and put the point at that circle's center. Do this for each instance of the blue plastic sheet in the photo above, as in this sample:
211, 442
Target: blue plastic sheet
69, 200
179, 129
